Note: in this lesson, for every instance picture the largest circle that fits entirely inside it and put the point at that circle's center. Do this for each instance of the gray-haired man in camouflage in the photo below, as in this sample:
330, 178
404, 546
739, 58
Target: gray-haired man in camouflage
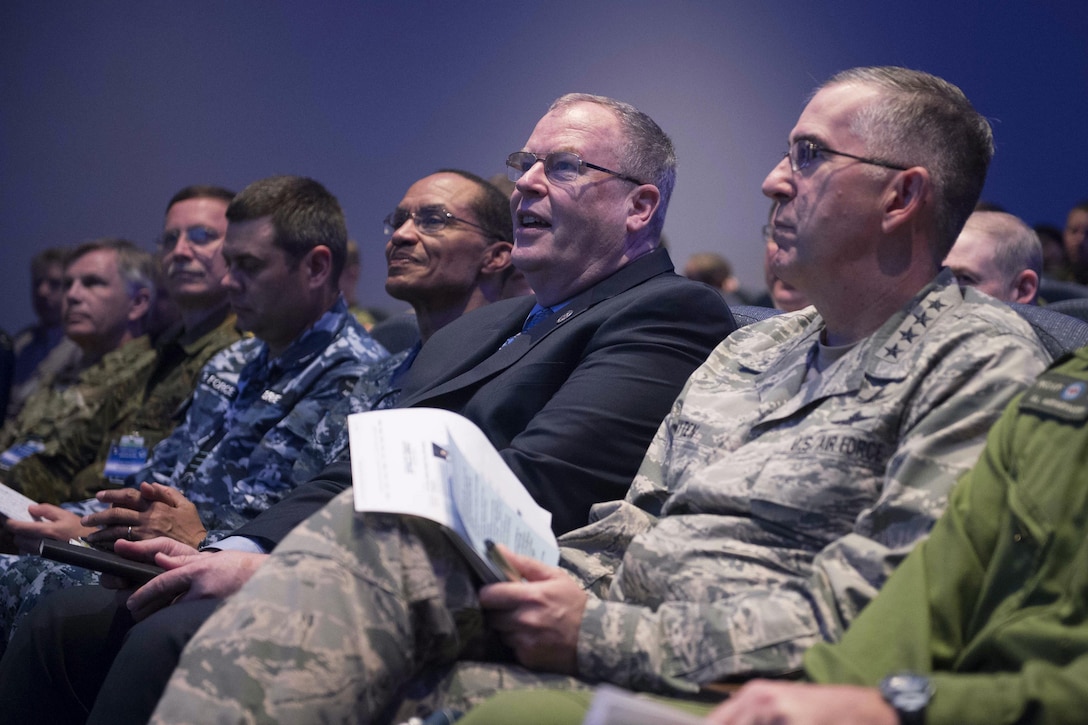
255, 403
798, 466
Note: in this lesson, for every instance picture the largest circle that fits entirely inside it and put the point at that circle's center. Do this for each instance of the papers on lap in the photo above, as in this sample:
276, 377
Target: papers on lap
439, 466
613, 706
13, 504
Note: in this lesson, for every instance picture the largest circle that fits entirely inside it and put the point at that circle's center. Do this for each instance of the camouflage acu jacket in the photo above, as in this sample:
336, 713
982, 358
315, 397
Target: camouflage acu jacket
63, 410
772, 505
73, 469
250, 416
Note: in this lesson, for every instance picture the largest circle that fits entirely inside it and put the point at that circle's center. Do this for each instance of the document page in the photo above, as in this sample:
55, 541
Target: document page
440, 466
398, 463
13, 504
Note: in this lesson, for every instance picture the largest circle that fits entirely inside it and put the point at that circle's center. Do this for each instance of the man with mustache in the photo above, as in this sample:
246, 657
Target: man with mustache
90, 458
806, 456
569, 396
255, 403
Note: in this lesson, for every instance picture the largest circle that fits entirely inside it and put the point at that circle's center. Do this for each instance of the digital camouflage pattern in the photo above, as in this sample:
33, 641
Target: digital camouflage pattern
768, 510
62, 361
772, 505
74, 467
373, 391
232, 457
379, 594
68, 407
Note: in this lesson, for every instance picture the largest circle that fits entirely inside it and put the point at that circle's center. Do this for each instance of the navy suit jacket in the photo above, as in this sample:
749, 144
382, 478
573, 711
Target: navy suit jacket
573, 403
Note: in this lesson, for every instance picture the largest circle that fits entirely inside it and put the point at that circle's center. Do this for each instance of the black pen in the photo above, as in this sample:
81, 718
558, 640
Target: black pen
496, 558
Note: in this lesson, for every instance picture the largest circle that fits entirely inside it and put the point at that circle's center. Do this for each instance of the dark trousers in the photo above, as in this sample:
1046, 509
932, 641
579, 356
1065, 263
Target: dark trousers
79, 657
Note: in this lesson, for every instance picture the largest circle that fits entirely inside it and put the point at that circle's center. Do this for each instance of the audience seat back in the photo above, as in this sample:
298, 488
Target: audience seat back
1059, 333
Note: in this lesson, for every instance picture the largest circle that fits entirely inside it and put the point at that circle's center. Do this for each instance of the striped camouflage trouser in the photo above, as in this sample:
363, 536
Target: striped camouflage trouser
351, 615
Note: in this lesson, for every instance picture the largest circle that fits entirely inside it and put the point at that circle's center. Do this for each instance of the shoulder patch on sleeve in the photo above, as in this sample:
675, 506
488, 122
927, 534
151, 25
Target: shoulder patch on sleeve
1059, 396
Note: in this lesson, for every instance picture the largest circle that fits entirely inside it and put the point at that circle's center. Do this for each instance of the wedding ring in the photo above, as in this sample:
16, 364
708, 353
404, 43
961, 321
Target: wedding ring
129, 535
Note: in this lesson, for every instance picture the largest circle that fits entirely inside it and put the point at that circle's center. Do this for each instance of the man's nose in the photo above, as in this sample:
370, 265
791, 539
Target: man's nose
534, 180
183, 247
779, 182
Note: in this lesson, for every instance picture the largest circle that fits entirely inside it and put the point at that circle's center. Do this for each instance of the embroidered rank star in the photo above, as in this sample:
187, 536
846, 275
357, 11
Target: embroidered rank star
937, 305
893, 351
907, 335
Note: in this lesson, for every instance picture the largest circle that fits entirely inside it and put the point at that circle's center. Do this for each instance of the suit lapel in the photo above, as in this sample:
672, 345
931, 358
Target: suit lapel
489, 358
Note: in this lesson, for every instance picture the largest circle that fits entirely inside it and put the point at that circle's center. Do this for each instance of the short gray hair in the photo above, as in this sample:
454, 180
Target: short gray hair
134, 265
647, 154
923, 120
1016, 246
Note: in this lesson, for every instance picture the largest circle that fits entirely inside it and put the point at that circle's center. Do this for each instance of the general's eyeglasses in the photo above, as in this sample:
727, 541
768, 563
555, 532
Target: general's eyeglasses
803, 152
561, 167
198, 236
428, 220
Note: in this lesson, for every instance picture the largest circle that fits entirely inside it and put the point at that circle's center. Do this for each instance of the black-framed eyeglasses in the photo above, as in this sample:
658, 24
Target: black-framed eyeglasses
562, 167
803, 152
198, 236
428, 220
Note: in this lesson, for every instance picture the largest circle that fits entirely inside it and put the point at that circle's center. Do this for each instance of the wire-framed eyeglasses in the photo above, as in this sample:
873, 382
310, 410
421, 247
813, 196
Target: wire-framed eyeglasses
803, 152
562, 167
429, 220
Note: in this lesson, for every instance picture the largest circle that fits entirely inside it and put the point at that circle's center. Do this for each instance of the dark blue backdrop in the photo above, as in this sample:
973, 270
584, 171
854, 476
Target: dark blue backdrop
107, 108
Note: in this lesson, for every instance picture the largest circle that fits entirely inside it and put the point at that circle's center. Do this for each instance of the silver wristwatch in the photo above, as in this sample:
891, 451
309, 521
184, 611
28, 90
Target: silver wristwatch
909, 695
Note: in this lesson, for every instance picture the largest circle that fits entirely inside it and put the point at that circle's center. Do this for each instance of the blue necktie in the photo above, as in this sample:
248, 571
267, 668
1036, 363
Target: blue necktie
536, 318
531, 321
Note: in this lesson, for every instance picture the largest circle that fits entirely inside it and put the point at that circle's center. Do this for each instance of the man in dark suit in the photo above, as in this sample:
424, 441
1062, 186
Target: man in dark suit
569, 385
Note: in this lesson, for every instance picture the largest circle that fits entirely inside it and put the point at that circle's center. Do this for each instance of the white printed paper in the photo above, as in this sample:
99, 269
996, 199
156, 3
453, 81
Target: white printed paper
438, 465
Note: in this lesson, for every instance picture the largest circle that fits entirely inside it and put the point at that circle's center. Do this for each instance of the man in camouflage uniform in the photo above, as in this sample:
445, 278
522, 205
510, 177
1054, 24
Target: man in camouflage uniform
109, 289
256, 402
89, 458
571, 403
719, 563
442, 275
797, 467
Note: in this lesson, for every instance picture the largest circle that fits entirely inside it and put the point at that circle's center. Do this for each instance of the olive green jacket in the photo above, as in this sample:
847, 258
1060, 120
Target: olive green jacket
993, 604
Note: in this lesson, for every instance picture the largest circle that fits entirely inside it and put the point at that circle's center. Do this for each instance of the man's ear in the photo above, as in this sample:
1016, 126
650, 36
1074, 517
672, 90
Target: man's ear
496, 257
643, 202
141, 304
318, 263
906, 196
1026, 286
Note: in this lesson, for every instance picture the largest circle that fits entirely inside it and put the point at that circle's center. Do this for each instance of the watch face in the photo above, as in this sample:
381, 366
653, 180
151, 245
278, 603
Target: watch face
911, 701
907, 692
